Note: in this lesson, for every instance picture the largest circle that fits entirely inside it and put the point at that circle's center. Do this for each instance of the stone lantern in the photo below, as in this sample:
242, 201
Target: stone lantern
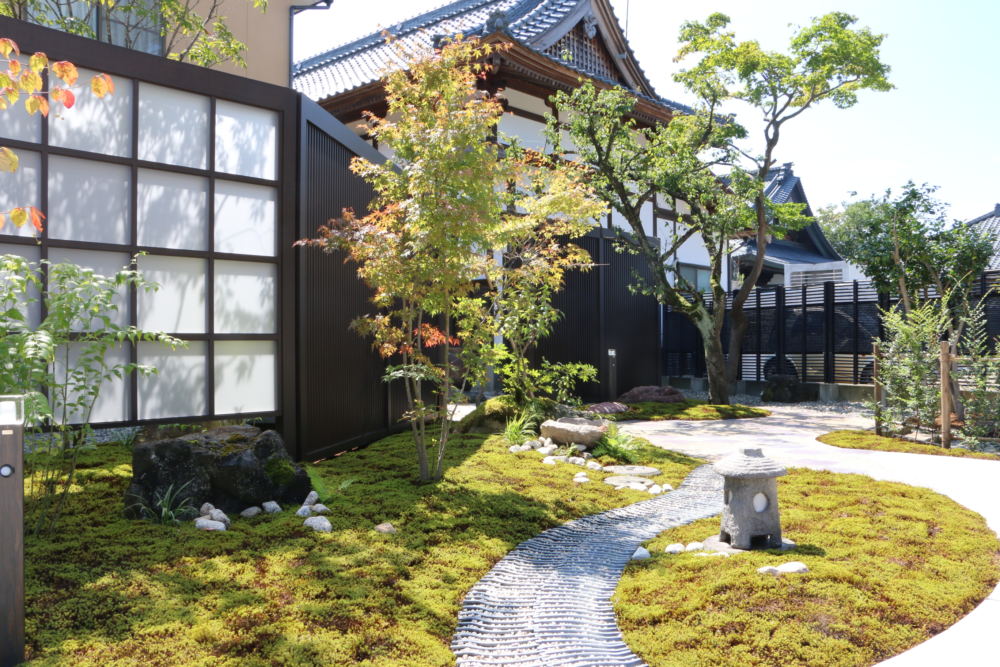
750, 518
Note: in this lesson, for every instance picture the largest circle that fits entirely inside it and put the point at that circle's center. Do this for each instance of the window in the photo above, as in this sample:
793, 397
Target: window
696, 276
134, 25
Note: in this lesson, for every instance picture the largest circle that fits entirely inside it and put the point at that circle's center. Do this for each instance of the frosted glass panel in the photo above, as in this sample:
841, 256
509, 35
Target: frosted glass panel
88, 201
21, 188
99, 125
178, 389
246, 140
244, 297
102, 263
32, 311
245, 218
179, 305
172, 210
173, 126
529, 133
111, 405
244, 376
17, 124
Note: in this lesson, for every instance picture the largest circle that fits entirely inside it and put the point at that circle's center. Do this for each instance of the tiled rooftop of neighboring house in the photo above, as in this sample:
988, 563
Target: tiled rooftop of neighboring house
990, 224
781, 182
364, 60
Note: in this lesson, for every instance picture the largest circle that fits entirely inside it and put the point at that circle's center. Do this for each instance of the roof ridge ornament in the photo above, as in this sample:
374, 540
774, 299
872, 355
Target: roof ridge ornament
590, 26
497, 22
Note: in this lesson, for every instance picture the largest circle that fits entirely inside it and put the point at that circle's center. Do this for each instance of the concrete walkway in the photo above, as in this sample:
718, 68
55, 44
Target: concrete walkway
789, 436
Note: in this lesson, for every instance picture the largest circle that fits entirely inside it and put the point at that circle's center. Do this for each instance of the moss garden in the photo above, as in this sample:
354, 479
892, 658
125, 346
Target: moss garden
868, 440
890, 565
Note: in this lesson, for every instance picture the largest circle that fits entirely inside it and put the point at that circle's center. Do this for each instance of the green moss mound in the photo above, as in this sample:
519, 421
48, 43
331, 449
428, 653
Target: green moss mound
890, 566
690, 409
109, 591
868, 440
492, 415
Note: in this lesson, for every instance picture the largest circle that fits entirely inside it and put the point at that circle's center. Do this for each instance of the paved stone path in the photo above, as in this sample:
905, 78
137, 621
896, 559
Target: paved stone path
548, 602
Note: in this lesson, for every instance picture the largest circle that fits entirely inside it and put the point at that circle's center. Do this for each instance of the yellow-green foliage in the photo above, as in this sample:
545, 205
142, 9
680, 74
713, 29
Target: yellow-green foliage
890, 566
108, 591
868, 440
697, 410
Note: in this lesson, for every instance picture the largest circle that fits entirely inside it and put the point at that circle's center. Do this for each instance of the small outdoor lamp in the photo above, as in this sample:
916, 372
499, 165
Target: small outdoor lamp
750, 518
11, 530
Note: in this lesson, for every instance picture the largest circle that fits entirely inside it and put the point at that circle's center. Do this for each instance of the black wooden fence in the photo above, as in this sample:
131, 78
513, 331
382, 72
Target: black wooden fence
820, 333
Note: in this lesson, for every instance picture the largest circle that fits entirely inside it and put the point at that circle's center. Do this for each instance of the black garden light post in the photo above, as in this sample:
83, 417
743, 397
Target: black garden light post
11, 530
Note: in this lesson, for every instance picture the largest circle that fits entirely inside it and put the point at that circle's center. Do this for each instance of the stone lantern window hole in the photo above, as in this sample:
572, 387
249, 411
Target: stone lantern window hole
760, 503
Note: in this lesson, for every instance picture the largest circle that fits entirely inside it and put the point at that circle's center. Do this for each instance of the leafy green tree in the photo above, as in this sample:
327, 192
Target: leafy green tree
450, 196
904, 244
190, 30
828, 60
61, 365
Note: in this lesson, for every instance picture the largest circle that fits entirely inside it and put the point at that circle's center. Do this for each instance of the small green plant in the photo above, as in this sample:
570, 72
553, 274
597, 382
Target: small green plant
979, 376
518, 429
169, 507
618, 445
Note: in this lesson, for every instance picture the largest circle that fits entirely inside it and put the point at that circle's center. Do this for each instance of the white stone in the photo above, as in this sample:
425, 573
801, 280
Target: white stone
633, 471
549, 460
271, 507
320, 508
547, 450
220, 516
535, 444
581, 480
768, 569
640, 554
568, 432
526, 447
674, 548
318, 523
577, 461
386, 528
250, 512
792, 567
666, 487
207, 508
514, 449
625, 480
656, 489
594, 465
714, 553
304, 511
203, 523
586, 455
311, 499
579, 448
694, 546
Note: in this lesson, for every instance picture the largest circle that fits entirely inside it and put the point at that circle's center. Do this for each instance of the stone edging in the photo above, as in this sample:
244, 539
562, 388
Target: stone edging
548, 601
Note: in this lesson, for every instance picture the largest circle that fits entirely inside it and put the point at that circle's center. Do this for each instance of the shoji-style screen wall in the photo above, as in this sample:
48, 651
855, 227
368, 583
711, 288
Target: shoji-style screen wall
190, 168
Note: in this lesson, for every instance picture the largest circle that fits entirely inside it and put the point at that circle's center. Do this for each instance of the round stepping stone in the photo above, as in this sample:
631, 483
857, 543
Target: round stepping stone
625, 480
638, 471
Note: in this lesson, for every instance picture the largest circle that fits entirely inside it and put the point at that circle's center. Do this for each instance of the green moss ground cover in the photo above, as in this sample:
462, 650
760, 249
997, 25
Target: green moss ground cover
109, 591
890, 566
868, 440
689, 409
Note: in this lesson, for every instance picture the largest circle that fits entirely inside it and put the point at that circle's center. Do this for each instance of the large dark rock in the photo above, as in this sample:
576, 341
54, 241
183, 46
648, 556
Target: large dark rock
652, 393
232, 467
781, 388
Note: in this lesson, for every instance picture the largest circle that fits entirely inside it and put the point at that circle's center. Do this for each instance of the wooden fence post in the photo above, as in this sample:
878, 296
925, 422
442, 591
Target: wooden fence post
876, 368
945, 394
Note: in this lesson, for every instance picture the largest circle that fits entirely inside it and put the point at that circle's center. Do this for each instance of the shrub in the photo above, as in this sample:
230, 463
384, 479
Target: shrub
617, 445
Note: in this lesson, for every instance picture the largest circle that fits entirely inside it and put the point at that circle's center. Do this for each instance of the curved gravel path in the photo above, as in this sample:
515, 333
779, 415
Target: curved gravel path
548, 602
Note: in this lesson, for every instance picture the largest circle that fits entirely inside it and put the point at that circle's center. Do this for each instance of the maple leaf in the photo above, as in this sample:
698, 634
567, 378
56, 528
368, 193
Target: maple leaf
8, 159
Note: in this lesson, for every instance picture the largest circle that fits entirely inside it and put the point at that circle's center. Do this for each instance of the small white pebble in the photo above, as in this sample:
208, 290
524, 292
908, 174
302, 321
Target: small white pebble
303, 511
654, 490
640, 554
674, 548
694, 546
386, 528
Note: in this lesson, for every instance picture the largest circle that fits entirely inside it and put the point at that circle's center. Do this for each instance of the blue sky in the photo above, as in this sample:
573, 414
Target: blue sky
938, 126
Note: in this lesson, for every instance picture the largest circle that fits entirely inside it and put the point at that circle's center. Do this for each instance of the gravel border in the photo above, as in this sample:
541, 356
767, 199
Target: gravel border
548, 602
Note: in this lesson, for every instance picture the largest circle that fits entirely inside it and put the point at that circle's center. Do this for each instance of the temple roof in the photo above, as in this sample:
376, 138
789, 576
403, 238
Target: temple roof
989, 223
549, 28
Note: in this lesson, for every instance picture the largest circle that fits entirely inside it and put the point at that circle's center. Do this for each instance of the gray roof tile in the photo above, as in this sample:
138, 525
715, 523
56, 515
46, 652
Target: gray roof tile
364, 60
990, 224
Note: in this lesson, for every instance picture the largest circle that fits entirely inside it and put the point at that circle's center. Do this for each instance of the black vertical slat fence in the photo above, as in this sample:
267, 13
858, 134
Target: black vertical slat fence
820, 333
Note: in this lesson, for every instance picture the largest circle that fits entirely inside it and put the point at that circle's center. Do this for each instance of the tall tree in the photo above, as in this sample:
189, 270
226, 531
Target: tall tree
826, 60
449, 196
188, 30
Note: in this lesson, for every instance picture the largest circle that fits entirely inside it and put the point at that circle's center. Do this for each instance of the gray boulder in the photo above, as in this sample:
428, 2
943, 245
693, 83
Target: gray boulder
318, 523
230, 468
250, 512
204, 523
572, 430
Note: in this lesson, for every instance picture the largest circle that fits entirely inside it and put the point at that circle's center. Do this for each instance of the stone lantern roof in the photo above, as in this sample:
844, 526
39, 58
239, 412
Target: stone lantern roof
749, 463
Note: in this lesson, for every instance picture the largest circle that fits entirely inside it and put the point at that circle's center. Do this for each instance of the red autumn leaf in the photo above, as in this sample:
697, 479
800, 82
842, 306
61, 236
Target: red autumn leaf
13, 67
36, 218
66, 71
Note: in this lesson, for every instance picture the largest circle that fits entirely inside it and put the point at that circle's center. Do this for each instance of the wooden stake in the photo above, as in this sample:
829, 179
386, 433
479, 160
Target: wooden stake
876, 368
945, 394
